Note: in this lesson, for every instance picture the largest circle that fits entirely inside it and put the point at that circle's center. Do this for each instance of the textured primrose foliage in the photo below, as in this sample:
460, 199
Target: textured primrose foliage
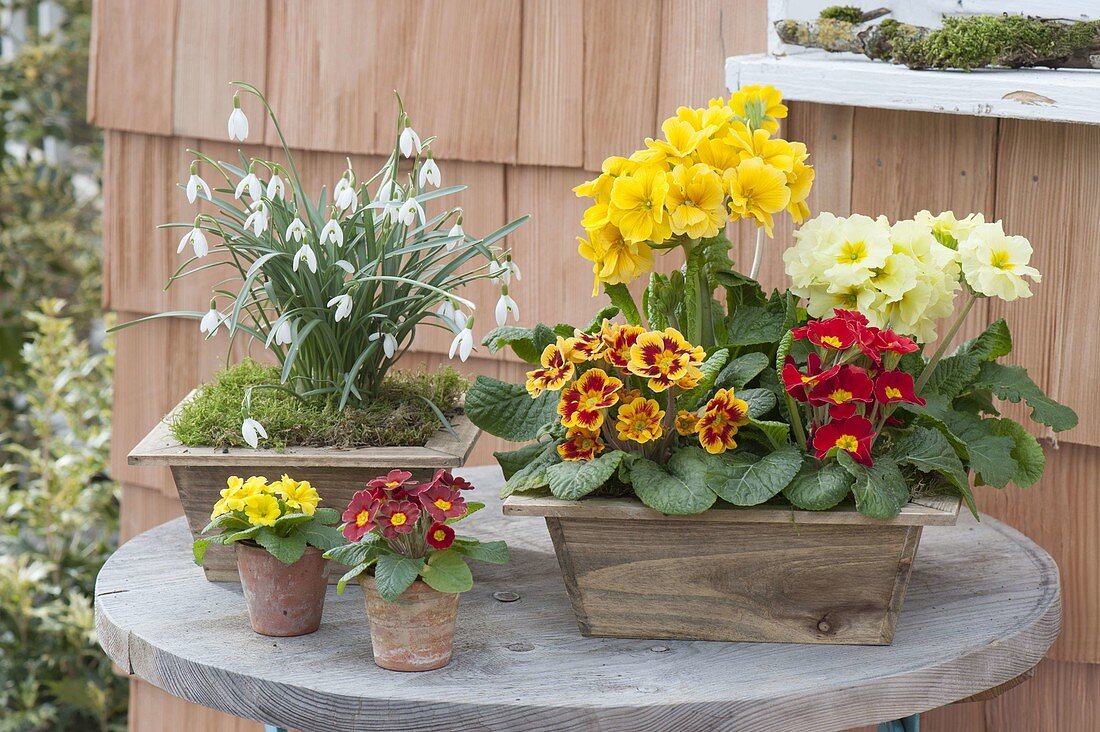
401, 415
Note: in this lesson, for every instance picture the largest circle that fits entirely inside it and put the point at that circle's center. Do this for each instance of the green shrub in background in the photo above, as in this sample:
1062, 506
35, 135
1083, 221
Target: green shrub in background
60, 519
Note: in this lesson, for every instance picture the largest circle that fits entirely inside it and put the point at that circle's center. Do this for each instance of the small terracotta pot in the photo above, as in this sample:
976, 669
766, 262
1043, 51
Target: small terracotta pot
283, 599
416, 631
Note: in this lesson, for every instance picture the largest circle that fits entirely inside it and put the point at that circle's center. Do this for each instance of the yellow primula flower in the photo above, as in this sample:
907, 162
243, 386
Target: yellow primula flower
638, 205
596, 215
232, 498
759, 144
681, 139
640, 421
262, 509
664, 357
256, 484
687, 423
800, 180
718, 154
715, 118
757, 191
759, 106
995, 264
696, 201
614, 260
556, 368
298, 494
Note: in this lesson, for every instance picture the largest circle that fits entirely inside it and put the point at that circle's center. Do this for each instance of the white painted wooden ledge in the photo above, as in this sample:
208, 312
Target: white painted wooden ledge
1064, 95
982, 609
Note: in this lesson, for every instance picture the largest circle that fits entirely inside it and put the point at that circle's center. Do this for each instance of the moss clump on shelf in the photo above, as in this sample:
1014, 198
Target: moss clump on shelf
399, 416
844, 13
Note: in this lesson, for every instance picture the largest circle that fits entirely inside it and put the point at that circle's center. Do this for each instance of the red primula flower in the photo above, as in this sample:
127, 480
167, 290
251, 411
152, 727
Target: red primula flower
359, 515
896, 386
442, 502
583, 402
834, 333
440, 536
797, 382
854, 317
445, 477
890, 341
853, 435
841, 392
394, 481
397, 517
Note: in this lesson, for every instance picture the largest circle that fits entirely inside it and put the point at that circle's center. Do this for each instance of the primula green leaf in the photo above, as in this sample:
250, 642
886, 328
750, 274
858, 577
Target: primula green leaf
880, 490
656, 301
494, 552
521, 340
741, 371
198, 550
750, 325
1027, 452
287, 549
1013, 384
745, 480
928, 450
778, 433
507, 410
692, 321
991, 458
357, 553
994, 343
953, 376
447, 571
321, 537
513, 461
394, 573
326, 515
819, 486
243, 535
693, 398
284, 523
681, 489
622, 299
351, 574
574, 479
532, 476
760, 401
605, 313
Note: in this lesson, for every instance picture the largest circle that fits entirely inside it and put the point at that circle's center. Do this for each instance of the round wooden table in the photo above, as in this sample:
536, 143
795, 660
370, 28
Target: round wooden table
982, 609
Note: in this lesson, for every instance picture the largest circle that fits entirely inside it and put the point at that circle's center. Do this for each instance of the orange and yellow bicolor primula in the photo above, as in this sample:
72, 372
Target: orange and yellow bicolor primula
619, 387
715, 164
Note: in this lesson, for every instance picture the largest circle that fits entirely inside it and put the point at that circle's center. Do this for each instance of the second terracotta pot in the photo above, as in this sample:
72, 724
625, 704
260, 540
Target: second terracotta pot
416, 631
283, 599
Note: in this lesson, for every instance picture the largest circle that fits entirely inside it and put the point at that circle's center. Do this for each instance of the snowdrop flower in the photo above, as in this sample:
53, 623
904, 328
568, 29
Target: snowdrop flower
238, 123
429, 173
276, 188
296, 230
197, 239
344, 195
408, 140
343, 306
257, 219
252, 431
446, 310
389, 343
284, 336
211, 321
456, 230
409, 211
332, 233
251, 184
195, 184
463, 342
306, 253
503, 271
506, 305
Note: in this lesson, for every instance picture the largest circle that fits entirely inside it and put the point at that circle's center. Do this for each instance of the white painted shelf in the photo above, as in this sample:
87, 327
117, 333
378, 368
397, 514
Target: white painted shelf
1064, 95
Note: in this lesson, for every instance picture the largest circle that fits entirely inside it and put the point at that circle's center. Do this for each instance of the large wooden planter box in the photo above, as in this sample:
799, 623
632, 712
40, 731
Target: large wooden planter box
767, 573
200, 472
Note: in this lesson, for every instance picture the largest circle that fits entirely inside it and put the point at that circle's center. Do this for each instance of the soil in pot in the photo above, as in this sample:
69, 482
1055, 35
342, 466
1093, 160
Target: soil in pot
416, 631
283, 599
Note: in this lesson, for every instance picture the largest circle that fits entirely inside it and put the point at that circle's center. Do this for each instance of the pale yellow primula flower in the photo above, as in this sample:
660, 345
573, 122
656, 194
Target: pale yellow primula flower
947, 229
995, 264
861, 245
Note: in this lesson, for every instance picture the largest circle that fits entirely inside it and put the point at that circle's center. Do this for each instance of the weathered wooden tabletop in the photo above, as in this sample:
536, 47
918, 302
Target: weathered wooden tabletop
983, 607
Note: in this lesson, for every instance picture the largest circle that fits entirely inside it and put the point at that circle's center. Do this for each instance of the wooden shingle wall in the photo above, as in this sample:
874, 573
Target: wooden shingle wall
527, 97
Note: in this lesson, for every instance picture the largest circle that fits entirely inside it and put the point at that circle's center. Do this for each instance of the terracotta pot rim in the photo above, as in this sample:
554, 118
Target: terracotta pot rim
418, 585
253, 546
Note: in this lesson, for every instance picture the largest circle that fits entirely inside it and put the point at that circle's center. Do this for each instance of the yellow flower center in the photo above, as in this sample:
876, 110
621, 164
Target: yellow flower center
392, 484
848, 443
893, 392
640, 425
831, 341
442, 505
664, 361
1001, 260
591, 402
840, 396
362, 517
398, 519
439, 535
852, 252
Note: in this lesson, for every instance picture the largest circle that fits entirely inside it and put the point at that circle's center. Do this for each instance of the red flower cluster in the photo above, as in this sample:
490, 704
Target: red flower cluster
849, 400
398, 506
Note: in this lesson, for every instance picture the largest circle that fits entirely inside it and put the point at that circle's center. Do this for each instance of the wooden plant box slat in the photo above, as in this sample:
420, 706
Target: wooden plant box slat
766, 573
200, 472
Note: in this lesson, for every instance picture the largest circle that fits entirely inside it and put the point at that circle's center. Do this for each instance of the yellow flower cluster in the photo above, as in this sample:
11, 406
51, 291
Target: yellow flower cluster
904, 276
262, 503
714, 164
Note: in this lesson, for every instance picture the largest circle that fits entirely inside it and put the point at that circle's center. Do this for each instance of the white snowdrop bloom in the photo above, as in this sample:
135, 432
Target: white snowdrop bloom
238, 123
198, 242
388, 191
252, 431
276, 188
343, 306
345, 265
446, 310
463, 342
344, 195
284, 335
506, 305
306, 252
332, 233
252, 185
257, 219
210, 322
194, 185
429, 173
296, 230
456, 230
389, 343
503, 271
408, 141
409, 211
